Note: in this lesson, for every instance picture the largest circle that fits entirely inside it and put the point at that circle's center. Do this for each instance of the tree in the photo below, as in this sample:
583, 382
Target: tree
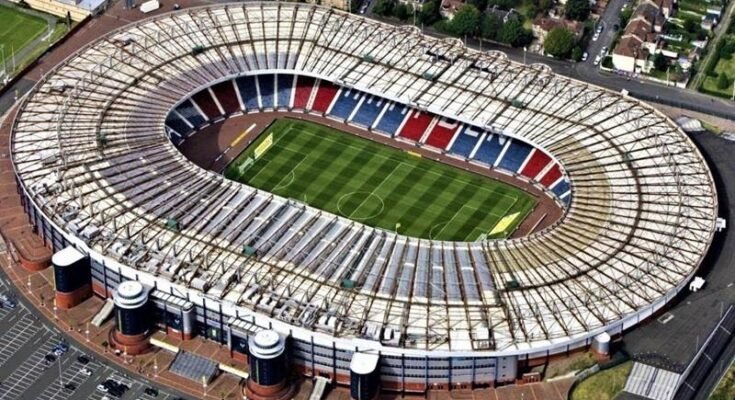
401, 11
578, 9
577, 53
559, 42
513, 33
466, 21
723, 82
691, 25
430, 12
383, 7
660, 62
480, 4
491, 26
625, 15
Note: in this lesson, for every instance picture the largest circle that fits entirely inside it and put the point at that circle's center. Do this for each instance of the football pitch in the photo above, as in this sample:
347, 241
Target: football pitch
18, 29
378, 185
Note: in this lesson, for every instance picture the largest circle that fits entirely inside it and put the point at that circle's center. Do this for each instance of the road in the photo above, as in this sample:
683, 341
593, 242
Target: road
584, 71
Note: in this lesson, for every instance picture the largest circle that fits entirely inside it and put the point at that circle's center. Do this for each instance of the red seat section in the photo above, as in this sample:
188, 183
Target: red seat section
225, 93
206, 103
442, 133
324, 96
304, 86
415, 125
538, 162
551, 176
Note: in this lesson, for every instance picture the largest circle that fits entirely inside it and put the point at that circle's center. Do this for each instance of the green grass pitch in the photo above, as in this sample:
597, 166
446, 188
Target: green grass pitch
18, 29
378, 185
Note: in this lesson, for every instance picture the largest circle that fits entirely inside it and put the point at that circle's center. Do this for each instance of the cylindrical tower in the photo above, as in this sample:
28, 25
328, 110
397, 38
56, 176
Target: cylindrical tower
72, 277
364, 376
269, 372
131, 312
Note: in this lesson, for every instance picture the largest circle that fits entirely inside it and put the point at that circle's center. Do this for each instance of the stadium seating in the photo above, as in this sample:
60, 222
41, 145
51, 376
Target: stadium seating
188, 111
174, 122
392, 118
551, 176
324, 96
415, 126
490, 149
368, 111
560, 188
205, 102
225, 93
346, 103
284, 87
266, 84
514, 156
465, 141
537, 161
304, 86
442, 133
248, 93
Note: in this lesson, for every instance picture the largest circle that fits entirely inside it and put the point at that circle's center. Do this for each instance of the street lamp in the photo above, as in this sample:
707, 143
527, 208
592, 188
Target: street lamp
525, 49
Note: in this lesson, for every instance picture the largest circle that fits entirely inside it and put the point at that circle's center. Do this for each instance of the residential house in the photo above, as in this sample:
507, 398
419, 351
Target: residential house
449, 8
641, 37
543, 25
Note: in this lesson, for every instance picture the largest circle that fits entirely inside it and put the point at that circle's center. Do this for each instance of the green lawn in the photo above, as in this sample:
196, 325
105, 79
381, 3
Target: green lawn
379, 185
725, 390
726, 66
18, 29
604, 385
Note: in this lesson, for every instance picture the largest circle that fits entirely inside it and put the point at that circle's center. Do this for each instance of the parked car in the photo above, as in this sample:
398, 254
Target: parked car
597, 60
595, 36
603, 52
102, 388
84, 360
150, 391
585, 55
85, 371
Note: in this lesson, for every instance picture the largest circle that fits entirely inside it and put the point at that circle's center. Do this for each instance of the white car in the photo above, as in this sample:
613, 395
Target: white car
102, 388
595, 36
585, 55
85, 371
597, 60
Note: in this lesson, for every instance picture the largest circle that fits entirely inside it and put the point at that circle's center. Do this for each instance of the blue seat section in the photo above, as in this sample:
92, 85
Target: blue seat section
284, 85
465, 142
187, 110
174, 122
392, 118
515, 155
175, 139
246, 85
490, 149
346, 103
561, 188
266, 83
369, 111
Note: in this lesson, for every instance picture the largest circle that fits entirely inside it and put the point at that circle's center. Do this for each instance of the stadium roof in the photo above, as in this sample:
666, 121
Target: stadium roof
90, 149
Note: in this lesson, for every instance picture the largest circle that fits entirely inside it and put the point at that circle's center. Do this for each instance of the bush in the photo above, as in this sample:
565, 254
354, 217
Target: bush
430, 12
660, 62
384, 7
723, 82
577, 54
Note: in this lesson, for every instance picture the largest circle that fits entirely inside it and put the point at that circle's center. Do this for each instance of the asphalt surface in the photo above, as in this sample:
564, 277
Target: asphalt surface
694, 315
26, 339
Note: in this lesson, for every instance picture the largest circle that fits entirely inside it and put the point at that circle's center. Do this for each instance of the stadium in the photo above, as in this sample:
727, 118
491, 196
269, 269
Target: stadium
458, 214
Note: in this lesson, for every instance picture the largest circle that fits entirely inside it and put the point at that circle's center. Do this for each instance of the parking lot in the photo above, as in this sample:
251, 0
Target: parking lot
30, 370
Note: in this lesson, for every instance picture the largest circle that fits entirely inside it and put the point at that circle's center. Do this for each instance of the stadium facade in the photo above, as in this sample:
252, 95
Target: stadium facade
98, 170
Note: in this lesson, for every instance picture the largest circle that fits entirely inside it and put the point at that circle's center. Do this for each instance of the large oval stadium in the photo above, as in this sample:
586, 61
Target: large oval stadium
594, 210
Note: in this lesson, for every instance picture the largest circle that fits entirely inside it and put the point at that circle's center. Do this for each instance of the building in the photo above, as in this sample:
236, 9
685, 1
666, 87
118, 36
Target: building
224, 261
641, 36
449, 8
543, 25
